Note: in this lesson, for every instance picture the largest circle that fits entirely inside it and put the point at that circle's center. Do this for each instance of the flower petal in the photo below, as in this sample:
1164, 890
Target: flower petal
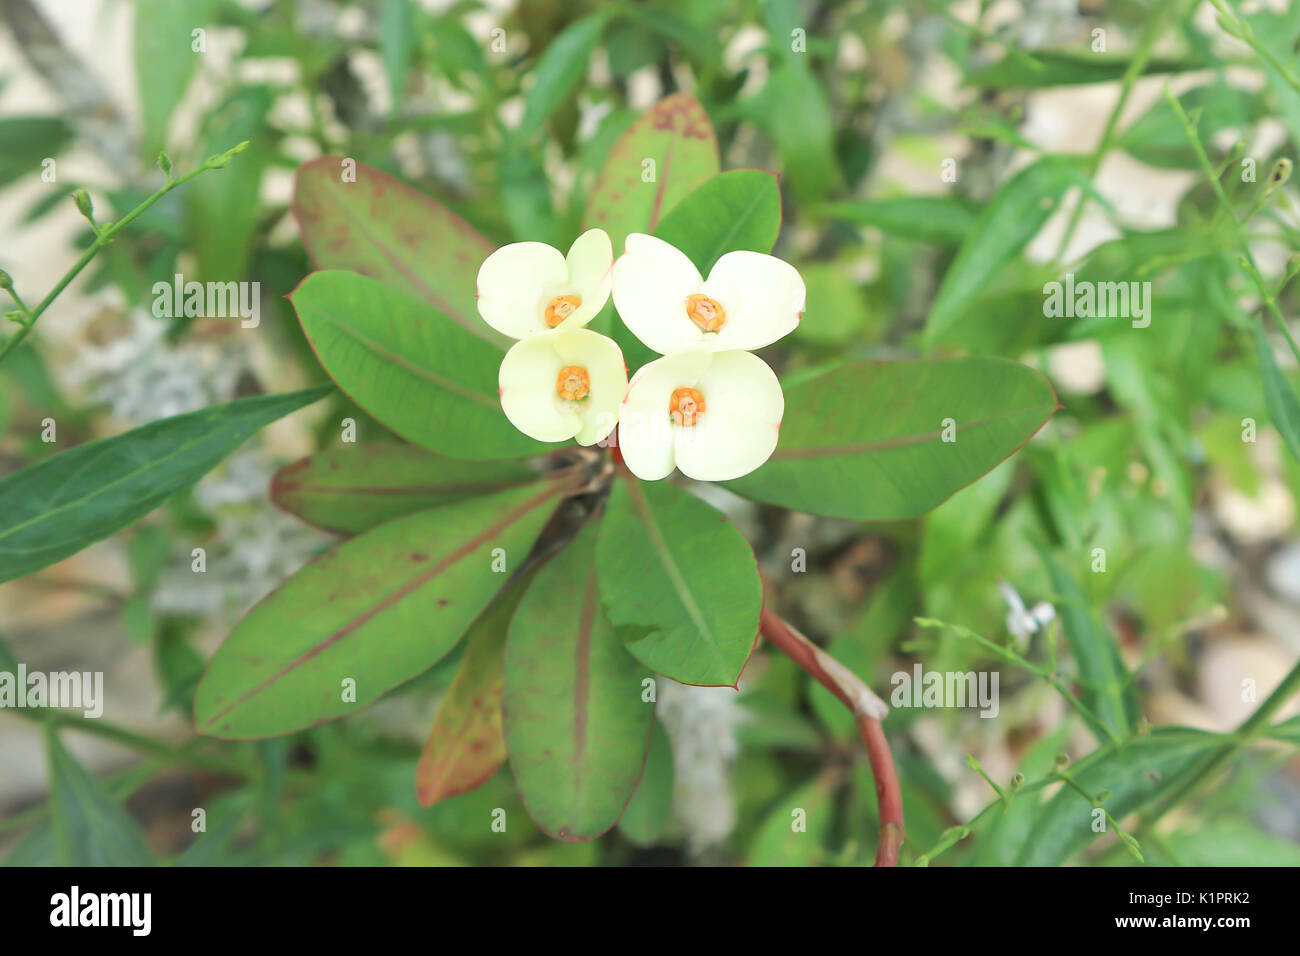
645, 430
603, 360
527, 381
743, 406
763, 295
651, 282
590, 265
516, 282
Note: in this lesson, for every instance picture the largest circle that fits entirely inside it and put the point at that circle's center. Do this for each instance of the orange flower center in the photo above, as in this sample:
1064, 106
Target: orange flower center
686, 406
573, 384
560, 308
707, 313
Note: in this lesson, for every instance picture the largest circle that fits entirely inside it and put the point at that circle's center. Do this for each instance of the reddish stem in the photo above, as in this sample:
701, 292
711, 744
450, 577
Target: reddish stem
840, 682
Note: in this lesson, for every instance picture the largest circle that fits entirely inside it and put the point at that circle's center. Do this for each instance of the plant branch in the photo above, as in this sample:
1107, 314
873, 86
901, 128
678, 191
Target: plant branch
867, 710
103, 236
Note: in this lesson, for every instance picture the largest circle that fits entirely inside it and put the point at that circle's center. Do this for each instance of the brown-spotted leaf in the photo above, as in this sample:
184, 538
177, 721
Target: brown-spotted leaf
467, 744
675, 134
381, 227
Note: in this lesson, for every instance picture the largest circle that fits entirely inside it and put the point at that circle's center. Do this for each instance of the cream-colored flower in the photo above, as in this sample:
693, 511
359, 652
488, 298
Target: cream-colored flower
749, 300
713, 415
563, 384
530, 287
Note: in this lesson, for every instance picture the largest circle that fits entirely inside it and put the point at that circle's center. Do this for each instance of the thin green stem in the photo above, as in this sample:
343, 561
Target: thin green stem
106, 235
1265, 293
1013, 657
1141, 55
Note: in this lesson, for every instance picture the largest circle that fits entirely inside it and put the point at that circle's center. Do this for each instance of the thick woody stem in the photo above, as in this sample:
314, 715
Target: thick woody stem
867, 710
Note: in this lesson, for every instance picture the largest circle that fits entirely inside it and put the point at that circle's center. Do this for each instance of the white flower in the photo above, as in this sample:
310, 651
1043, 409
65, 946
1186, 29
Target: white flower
1024, 623
714, 415
563, 384
529, 287
749, 300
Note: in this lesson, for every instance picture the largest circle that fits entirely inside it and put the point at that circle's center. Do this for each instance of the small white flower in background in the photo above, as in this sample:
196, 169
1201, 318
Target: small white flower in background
563, 384
1021, 622
748, 301
713, 415
529, 287
701, 723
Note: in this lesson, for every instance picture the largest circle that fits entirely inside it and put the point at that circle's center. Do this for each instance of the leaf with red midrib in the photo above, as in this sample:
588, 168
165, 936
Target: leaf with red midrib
383, 228
376, 610
676, 134
352, 488
467, 744
577, 728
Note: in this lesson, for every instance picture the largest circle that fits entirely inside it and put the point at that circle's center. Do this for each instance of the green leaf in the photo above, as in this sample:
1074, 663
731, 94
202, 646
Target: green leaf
397, 40
223, 207
865, 440
1013, 217
1231, 843
1158, 138
1136, 774
1044, 68
377, 609
27, 140
526, 195
57, 507
409, 366
836, 310
557, 72
736, 210
793, 111
90, 829
679, 582
382, 228
1283, 406
1278, 35
164, 61
795, 830
1106, 686
647, 813
675, 134
352, 488
467, 744
941, 220
576, 725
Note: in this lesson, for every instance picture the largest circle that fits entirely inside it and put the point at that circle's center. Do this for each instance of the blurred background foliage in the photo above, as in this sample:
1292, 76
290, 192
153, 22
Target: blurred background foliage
939, 163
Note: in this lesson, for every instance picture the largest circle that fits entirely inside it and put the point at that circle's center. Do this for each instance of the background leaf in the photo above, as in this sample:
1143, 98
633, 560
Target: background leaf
1107, 687
1136, 774
352, 488
164, 61
864, 440
576, 726
1012, 217
679, 582
77, 497
90, 829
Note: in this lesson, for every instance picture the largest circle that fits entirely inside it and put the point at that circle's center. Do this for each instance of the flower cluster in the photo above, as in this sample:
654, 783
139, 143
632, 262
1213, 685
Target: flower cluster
708, 407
